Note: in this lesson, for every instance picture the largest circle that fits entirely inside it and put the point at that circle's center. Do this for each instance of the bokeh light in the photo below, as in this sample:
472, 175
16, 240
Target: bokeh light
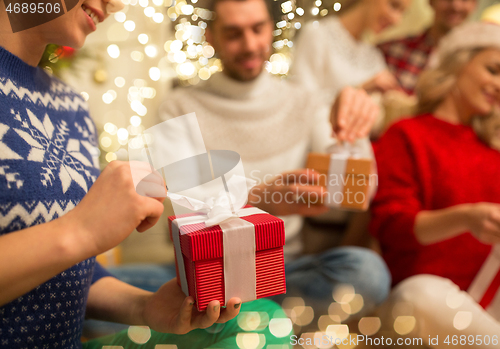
280, 327
462, 320
250, 340
249, 320
369, 325
119, 81
404, 324
113, 51
343, 294
139, 334
129, 25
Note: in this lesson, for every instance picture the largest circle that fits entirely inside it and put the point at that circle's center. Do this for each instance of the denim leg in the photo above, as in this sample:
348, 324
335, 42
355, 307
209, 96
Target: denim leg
315, 277
148, 277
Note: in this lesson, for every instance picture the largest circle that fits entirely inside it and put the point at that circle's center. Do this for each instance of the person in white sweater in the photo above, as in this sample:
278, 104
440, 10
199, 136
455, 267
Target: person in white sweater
330, 54
273, 124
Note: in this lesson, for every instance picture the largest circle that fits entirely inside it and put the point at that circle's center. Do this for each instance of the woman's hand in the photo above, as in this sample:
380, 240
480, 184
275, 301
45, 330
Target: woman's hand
353, 114
170, 311
481, 219
382, 82
484, 222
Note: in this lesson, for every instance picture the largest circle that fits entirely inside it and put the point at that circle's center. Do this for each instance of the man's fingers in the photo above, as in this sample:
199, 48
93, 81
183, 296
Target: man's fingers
308, 195
232, 309
152, 210
143, 170
210, 316
185, 314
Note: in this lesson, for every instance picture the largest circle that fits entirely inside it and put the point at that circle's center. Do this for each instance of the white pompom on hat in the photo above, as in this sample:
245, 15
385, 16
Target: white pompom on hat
470, 35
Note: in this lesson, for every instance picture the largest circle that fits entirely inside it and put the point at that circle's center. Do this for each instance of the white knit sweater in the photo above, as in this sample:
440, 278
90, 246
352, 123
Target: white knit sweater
327, 57
272, 124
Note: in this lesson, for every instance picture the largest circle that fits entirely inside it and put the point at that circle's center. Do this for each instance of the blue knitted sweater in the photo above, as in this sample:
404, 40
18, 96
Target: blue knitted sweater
48, 161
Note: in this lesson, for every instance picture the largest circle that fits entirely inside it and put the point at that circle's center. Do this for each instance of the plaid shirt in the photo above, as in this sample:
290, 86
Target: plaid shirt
407, 57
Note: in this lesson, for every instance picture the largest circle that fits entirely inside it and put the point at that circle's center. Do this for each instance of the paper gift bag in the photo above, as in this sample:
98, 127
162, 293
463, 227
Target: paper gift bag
351, 181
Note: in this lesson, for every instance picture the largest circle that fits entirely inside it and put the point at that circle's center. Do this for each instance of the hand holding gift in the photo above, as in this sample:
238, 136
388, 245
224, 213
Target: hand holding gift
178, 314
224, 250
353, 114
483, 221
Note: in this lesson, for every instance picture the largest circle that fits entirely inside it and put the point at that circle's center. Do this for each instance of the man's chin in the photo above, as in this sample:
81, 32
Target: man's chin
245, 75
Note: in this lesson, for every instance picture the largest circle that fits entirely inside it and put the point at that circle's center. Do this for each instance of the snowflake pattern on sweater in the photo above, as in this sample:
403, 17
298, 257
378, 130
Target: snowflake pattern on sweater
48, 161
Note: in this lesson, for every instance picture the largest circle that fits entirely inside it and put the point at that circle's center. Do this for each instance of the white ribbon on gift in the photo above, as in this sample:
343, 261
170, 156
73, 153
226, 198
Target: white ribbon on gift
483, 279
221, 207
340, 153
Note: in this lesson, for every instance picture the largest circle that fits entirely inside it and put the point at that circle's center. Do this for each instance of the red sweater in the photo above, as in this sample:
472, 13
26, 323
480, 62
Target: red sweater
429, 164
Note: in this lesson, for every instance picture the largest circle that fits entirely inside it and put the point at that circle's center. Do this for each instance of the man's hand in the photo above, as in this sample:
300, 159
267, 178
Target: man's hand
296, 192
113, 207
170, 311
353, 114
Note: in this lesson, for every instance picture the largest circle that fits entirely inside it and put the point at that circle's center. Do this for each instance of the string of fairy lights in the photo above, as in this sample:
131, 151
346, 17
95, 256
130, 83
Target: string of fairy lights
186, 57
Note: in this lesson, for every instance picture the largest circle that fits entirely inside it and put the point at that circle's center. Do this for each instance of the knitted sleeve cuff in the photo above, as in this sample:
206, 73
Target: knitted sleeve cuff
100, 272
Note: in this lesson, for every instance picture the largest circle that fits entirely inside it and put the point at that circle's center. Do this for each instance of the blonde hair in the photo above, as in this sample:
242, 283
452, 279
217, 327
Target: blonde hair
435, 84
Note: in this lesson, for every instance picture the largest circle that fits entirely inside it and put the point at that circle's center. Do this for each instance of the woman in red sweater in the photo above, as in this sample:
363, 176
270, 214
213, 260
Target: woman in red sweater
437, 212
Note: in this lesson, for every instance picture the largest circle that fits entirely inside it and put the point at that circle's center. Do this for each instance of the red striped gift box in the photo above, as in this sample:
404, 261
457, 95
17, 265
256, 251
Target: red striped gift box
202, 252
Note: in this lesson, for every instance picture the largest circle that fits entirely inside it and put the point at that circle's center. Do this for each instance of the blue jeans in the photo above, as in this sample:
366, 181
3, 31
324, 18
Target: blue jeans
316, 277
312, 277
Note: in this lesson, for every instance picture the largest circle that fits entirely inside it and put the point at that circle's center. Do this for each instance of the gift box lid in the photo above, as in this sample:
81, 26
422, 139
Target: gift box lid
199, 242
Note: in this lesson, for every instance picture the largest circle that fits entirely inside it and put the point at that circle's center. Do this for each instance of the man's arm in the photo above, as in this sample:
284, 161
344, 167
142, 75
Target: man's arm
109, 212
168, 310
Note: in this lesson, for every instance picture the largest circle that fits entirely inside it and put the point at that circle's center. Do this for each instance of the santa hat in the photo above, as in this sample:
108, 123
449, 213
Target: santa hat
470, 35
